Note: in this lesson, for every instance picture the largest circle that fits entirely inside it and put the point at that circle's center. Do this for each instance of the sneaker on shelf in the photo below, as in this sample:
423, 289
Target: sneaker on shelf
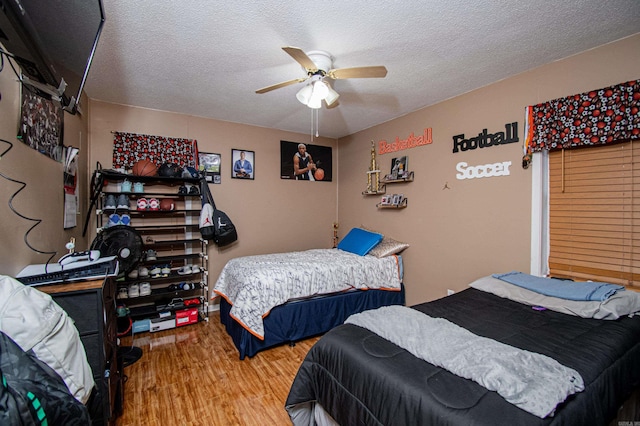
143, 272
195, 269
133, 274
154, 204
166, 271
142, 203
125, 219
126, 186
145, 289
185, 270
110, 202
134, 290
114, 219
123, 293
138, 187
123, 202
156, 272
183, 190
194, 190
151, 255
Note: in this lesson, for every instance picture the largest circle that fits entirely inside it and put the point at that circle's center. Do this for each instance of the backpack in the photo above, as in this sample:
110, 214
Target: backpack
31, 393
214, 224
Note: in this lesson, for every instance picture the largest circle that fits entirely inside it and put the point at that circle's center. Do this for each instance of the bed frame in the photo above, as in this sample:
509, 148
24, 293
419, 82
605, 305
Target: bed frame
300, 319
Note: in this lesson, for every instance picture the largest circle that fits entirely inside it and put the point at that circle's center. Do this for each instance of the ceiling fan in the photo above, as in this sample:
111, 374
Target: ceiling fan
318, 65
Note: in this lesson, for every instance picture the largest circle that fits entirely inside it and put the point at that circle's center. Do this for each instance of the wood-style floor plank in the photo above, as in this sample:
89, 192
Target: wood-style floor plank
193, 376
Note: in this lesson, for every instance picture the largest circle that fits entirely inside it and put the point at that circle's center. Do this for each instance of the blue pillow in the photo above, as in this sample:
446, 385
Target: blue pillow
359, 241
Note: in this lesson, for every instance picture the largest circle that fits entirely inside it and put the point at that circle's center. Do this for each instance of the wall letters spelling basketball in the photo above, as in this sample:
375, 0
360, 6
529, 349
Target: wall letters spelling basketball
484, 139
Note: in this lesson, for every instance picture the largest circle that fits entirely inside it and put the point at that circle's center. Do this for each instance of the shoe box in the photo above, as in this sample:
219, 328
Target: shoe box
140, 326
186, 317
162, 323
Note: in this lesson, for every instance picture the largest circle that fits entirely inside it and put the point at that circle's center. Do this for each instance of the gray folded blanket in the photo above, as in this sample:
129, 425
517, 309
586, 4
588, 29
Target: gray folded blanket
536, 383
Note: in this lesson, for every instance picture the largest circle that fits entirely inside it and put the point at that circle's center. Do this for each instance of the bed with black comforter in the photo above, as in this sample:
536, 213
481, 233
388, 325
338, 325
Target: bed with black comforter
357, 377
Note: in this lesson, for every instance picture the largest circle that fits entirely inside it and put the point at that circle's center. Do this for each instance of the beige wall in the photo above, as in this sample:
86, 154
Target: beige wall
478, 226
270, 213
42, 197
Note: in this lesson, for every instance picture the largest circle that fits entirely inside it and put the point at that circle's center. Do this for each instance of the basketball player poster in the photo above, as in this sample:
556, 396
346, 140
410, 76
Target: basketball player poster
300, 161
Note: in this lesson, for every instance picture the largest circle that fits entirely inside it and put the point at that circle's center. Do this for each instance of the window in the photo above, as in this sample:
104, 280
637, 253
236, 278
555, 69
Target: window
594, 213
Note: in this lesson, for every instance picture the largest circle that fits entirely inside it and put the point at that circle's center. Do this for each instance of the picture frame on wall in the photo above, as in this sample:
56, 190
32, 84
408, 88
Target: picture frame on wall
41, 124
210, 163
399, 168
320, 155
242, 164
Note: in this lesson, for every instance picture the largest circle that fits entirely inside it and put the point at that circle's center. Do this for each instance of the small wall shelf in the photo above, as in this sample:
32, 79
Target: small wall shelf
408, 178
402, 205
381, 190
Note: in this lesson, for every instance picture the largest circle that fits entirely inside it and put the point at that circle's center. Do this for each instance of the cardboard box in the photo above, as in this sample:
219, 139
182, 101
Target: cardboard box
186, 317
158, 324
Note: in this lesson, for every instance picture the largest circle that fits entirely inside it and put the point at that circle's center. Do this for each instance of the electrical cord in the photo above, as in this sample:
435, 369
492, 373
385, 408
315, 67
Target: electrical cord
10, 203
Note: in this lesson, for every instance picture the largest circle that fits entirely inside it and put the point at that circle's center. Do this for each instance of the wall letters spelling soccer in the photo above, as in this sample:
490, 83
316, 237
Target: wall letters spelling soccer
482, 171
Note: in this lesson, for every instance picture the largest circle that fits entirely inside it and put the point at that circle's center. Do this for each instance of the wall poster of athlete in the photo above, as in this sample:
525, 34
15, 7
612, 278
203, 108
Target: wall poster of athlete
300, 161
243, 164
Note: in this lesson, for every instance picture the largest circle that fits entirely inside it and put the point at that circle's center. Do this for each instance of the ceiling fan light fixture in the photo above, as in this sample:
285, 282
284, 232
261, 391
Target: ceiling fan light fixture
332, 96
315, 102
320, 90
304, 94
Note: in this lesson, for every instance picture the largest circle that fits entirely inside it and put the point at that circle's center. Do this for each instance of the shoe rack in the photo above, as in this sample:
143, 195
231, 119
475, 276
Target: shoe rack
169, 286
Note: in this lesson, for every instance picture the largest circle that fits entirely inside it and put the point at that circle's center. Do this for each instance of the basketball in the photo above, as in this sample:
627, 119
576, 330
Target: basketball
144, 168
167, 204
319, 174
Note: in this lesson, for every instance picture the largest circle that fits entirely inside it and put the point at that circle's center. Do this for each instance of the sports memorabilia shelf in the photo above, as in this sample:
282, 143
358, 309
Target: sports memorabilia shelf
394, 201
151, 223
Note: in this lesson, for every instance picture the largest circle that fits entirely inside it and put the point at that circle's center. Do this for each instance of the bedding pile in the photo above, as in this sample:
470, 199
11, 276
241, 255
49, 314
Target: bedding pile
564, 289
619, 303
534, 382
253, 285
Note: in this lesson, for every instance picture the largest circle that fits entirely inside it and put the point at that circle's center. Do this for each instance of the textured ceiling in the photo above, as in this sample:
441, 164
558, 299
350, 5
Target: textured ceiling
207, 58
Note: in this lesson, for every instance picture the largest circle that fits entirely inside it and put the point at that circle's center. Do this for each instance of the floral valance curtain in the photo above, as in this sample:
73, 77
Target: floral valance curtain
598, 117
129, 148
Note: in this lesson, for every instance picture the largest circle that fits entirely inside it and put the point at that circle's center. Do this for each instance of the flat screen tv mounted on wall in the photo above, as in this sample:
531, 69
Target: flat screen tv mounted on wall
53, 42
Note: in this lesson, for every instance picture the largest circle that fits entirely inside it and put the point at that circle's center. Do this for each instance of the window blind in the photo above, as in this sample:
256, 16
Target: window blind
594, 213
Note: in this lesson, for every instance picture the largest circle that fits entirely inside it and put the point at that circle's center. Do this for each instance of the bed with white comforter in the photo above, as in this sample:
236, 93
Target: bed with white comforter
256, 284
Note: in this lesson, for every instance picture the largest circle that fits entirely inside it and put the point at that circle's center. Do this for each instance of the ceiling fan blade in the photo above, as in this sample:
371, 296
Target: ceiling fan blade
358, 72
301, 58
279, 85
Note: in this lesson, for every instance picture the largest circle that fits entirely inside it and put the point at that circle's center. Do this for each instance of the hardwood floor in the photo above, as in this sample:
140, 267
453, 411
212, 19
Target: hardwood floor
192, 376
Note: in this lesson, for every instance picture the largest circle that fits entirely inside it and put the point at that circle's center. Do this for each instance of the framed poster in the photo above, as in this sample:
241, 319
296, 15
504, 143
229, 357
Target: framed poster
308, 162
41, 124
209, 163
399, 168
242, 164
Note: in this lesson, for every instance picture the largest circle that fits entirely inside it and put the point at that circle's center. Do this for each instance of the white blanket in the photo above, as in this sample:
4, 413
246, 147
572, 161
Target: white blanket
531, 381
256, 284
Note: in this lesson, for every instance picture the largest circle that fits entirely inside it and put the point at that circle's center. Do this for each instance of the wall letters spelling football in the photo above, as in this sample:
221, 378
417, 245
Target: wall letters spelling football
484, 139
